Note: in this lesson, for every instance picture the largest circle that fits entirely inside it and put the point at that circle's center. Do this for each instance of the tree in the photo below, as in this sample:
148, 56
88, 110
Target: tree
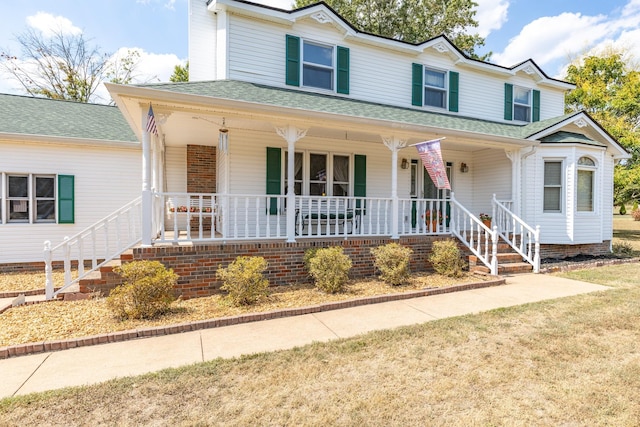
413, 21
63, 66
180, 73
608, 88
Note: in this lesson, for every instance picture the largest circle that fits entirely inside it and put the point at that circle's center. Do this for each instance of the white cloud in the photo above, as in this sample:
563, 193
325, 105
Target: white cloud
491, 15
49, 24
554, 41
553, 37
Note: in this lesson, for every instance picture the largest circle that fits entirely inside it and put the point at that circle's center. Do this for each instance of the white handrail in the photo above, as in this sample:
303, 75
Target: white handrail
480, 239
120, 231
523, 238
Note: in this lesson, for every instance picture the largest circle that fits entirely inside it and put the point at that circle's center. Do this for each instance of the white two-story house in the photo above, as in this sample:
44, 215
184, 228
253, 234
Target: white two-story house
297, 130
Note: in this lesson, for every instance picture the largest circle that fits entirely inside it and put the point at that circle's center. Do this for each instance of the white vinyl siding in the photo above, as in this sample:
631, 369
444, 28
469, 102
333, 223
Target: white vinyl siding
106, 178
491, 173
202, 42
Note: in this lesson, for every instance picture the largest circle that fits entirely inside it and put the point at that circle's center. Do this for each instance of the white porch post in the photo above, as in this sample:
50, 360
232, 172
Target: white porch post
291, 134
394, 144
147, 201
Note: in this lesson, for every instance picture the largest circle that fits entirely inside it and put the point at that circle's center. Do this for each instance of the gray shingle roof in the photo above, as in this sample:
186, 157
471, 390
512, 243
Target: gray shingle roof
570, 137
296, 99
48, 117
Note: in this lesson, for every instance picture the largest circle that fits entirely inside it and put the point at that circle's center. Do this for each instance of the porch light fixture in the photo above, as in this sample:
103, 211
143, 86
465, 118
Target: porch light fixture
404, 164
464, 168
223, 137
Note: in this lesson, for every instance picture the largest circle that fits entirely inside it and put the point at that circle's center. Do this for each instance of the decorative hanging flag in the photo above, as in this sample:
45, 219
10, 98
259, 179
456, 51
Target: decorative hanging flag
431, 156
151, 122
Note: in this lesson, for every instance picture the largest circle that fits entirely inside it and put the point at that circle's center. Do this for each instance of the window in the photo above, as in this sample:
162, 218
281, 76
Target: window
317, 65
586, 177
314, 180
434, 88
30, 198
521, 104
435, 91
552, 186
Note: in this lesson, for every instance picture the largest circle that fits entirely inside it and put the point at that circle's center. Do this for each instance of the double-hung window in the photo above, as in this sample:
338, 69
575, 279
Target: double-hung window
552, 195
586, 180
435, 88
33, 198
321, 175
317, 65
30, 198
521, 104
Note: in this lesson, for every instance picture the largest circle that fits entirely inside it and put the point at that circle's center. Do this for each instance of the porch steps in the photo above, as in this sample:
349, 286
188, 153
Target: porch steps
509, 262
104, 279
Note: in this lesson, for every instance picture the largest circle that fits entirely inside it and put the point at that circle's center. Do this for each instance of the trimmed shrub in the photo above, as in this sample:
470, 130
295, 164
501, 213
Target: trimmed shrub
623, 209
393, 262
635, 214
308, 255
243, 279
330, 267
446, 258
146, 292
635, 206
622, 248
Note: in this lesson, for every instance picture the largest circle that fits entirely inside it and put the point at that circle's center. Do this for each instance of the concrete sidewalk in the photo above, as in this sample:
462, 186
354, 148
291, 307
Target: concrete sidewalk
94, 364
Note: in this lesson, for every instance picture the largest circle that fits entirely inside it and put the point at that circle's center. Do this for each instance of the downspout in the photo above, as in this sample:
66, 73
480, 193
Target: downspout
523, 177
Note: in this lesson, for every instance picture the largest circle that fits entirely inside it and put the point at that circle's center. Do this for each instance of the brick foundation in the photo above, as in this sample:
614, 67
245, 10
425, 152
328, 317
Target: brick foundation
568, 251
197, 264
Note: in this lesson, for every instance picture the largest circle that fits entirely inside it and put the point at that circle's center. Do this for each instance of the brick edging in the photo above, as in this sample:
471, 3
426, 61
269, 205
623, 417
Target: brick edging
590, 264
46, 346
13, 294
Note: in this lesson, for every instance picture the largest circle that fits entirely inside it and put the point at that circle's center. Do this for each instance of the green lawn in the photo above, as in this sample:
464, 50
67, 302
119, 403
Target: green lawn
626, 230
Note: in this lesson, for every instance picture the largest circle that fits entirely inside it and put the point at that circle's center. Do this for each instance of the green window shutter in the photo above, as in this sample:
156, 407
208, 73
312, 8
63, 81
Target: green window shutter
293, 61
417, 85
274, 166
360, 179
343, 70
454, 79
66, 193
536, 106
508, 101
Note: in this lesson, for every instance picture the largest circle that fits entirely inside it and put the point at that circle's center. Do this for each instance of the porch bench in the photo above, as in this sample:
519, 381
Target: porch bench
349, 218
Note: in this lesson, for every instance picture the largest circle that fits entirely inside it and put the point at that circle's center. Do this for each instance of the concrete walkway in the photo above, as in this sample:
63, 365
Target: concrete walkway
94, 364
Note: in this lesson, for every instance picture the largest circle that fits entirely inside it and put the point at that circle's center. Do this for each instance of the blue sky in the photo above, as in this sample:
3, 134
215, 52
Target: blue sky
552, 32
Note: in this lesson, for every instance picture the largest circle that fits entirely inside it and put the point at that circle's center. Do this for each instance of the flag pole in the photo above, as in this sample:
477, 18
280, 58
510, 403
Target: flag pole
423, 142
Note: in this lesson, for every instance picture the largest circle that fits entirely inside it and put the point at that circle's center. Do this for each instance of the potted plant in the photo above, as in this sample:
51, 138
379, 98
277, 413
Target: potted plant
486, 219
432, 219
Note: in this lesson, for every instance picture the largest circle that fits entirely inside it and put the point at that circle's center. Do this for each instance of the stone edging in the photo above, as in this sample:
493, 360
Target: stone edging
46, 346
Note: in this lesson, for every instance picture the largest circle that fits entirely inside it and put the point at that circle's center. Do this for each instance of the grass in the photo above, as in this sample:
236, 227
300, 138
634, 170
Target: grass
573, 361
626, 230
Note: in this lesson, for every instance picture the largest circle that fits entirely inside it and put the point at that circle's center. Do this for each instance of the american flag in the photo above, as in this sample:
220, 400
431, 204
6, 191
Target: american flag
429, 152
151, 122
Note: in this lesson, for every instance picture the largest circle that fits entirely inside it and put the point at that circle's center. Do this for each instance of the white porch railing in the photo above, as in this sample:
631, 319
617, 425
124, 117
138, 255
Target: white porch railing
523, 238
224, 217
99, 244
481, 241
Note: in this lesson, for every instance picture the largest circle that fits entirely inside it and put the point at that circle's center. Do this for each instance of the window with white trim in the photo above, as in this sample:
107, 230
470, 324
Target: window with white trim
435, 88
521, 104
29, 198
320, 174
586, 184
317, 65
553, 186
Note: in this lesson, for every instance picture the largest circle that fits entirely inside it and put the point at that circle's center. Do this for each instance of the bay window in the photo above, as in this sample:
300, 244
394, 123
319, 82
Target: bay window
586, 179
